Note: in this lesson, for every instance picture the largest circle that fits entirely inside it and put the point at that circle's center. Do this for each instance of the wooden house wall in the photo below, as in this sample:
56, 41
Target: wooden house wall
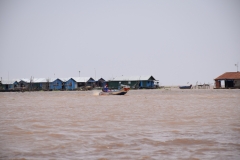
23, 84
100, 83
236, 83
9, 86
80, 84
90, 82
140, 84
40, 86
44, 86
113, 84
71, 84
56, 85
36, 86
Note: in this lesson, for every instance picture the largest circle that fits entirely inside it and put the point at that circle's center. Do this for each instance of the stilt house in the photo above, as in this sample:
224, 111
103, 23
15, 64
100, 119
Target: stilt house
78, 82
8, 84
100, 82
136, 82
58, 84
41, 83
25, 83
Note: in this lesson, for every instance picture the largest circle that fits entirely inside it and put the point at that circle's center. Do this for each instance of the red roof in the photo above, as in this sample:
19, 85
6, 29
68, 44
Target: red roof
229, 75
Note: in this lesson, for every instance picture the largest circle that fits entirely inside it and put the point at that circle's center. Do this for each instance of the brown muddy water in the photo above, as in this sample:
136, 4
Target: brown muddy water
144, 124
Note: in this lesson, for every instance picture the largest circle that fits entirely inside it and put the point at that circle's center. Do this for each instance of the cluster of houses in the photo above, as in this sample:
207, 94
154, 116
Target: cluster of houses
77, 83
226, 80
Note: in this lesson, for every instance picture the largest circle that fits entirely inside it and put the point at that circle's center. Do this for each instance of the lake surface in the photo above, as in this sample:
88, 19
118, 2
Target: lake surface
143, 124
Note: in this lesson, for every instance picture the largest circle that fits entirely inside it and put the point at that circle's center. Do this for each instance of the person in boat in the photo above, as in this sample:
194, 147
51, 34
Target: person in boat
105, 89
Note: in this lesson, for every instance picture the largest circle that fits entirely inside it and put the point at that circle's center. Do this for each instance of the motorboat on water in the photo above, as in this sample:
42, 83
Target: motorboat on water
185, 87
122, 91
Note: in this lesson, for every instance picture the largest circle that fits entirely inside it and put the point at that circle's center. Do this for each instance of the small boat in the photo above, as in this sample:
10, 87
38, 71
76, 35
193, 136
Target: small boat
185, 87
124, 89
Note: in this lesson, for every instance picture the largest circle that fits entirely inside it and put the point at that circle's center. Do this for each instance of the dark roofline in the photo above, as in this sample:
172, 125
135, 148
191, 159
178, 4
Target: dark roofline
90, 79
57, 79
100, 79
153, 78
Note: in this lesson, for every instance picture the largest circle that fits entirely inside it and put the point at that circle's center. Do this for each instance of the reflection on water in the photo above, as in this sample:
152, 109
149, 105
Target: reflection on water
146, 124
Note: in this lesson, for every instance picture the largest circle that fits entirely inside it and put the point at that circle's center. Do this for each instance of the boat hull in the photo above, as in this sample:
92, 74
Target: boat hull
185, 87
112, 93
123, 91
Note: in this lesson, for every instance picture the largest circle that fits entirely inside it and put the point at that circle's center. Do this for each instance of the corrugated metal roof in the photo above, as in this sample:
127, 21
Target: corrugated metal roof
81, 79
41, 80
229, 75
132, 78
63, 79
25, 80
36, 80
8, 81
100, 79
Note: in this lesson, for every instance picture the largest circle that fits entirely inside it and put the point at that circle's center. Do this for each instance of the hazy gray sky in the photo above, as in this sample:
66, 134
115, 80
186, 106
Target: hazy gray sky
175, 41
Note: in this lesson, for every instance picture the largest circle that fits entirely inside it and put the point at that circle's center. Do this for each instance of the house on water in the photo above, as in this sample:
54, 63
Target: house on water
136, 82
41, 83
58, 84
75, 83
228, 80
100, 82
25, 83
8, 84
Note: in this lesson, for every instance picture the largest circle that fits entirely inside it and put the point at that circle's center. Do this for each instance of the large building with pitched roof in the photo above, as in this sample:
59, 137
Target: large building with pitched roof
8, 84
136, 82
58, 84
228, 80
77, 82
41, 83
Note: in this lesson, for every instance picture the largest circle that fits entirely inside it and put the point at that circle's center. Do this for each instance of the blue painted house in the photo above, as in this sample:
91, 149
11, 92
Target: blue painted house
77, 82
57, 84
9, 84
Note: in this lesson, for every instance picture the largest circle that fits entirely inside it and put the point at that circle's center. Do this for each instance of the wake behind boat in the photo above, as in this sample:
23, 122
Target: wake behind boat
124, 89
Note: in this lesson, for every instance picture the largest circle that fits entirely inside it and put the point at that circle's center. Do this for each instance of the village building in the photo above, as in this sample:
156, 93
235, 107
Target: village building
75, 83
100, 82
25, 83
58, 84
8, 84
41, 83
136, 82
228, 80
